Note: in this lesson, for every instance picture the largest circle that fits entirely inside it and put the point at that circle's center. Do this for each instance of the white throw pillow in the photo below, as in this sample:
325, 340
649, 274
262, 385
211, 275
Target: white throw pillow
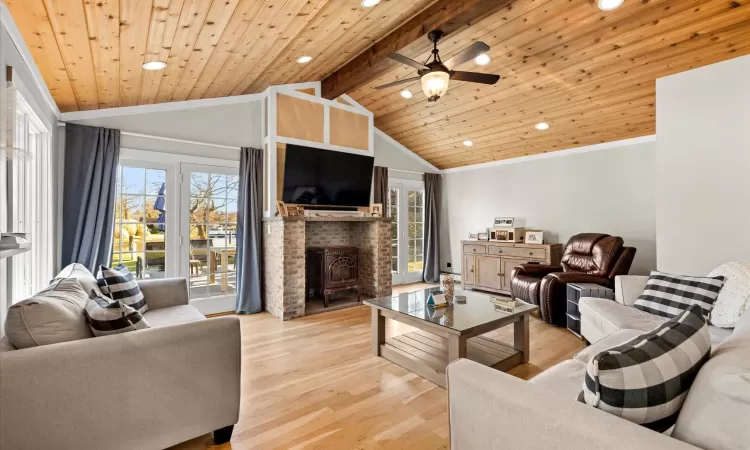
51, 316
734, 297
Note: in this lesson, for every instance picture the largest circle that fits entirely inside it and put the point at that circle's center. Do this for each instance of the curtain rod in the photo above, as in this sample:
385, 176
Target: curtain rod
405, 171
162, 138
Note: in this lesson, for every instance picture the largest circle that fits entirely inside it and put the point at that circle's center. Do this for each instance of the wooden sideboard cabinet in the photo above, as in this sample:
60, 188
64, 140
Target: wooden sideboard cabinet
487, 265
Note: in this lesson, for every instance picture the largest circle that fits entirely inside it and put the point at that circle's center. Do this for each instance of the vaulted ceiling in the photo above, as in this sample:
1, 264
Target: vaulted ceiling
590, 74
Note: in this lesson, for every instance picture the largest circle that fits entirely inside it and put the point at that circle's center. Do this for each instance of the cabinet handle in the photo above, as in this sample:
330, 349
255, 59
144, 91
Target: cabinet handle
531, 253
472, 270
473, 249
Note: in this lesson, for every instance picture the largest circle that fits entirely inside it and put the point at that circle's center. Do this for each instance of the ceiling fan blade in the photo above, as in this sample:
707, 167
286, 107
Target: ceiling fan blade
475, 77
468, 54
409, 62
396, 83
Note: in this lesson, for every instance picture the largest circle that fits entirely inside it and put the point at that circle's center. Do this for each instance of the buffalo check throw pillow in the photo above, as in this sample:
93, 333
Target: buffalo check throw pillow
107, 317
119, 284
647, 379
668, 295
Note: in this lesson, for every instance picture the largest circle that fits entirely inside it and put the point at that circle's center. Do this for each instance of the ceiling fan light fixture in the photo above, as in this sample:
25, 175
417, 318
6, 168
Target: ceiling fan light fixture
369, 3
541, 126
483, 59
154, 65
304, 59
468, 143
435, 85
610, 5
406, 94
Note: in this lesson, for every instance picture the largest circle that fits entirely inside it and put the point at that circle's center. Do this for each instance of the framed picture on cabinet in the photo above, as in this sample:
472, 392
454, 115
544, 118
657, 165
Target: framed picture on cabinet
534, 237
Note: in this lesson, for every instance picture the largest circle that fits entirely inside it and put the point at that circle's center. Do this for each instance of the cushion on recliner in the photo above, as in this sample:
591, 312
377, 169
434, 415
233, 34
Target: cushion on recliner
54, 315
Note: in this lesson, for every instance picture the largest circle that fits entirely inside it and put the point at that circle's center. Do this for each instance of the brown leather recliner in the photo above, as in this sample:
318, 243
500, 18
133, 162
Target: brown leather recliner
588, 258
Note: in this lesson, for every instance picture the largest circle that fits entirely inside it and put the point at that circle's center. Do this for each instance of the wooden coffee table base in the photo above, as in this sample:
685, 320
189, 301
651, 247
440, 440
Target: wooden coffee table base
428, 352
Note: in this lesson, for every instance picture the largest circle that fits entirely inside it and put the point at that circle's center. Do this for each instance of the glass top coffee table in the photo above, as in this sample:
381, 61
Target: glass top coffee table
443, 335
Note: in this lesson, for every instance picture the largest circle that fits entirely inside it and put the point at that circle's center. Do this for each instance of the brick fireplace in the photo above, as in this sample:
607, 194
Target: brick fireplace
286, 238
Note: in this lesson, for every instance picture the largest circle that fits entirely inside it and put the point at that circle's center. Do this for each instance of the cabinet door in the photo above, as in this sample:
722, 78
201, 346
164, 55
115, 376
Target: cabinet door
488, 273
468, 270
507, 266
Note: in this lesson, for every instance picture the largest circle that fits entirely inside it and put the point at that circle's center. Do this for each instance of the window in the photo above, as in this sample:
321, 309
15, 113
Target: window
31, 205
393, 206
406, 209
141, 221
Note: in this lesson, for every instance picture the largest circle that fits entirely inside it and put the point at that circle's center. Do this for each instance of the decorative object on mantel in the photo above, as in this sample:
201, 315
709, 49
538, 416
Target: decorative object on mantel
534, 237
376, 210
295, 210
437, 300
8, 99
281, 209
446, 285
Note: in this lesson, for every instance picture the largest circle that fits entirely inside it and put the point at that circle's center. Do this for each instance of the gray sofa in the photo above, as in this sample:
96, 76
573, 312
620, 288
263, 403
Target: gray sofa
145, 389
492, 410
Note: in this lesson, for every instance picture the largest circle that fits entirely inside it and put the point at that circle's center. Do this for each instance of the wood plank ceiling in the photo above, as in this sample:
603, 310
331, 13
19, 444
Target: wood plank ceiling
90, 52
590, 74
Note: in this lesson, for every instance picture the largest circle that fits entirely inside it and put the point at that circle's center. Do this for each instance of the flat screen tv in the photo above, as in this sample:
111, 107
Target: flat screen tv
314, 176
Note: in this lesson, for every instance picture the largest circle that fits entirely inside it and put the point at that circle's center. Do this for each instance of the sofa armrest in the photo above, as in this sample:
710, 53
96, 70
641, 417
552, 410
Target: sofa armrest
146, 389
536, 270
628, 288
164, 292
489, 409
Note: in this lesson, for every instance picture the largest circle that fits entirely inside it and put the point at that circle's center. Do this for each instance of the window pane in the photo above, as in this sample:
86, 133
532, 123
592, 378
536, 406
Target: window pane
233, 183
156, 181
217, 210
199, 208
132, 208
155, 209
133, 180
155, 264
199, 185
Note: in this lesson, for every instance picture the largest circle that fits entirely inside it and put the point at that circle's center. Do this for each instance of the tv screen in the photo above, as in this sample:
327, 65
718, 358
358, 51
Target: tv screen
314, 176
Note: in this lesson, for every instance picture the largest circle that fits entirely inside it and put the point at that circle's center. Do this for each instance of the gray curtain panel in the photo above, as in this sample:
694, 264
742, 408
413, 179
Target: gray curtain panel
249, 232
432, 201
380, 183
91, 158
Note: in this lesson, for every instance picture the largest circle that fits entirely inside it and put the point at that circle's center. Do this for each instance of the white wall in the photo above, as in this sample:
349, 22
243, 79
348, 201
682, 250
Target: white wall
10, 55
703, 166
607, 191
236, 125
388, 153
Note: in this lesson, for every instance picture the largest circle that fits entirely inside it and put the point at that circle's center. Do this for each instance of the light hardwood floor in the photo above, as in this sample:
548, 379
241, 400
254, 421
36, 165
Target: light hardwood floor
312, 383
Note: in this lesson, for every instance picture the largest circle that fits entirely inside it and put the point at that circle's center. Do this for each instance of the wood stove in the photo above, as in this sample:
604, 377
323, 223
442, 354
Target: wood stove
332, 269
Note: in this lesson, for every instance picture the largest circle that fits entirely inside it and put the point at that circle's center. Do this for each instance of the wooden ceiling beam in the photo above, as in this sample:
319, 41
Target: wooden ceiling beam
446, 15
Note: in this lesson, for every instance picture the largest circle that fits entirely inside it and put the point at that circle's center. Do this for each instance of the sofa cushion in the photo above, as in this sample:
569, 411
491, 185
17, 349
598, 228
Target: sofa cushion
609, 316
119, 284
563, 379
106, 317
613, 340
734, 297
668, 295
173, 315
53, 315
647, 379
85, 278
717, 408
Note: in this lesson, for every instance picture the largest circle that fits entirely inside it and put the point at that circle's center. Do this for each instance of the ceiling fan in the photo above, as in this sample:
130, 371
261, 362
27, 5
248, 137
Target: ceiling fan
436, 74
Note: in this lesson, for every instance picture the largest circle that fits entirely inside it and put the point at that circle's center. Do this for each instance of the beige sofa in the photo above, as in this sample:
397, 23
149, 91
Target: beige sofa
146, 389
492, 410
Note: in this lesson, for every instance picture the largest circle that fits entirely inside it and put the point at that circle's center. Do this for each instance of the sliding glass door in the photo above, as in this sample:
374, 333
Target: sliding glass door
406, 208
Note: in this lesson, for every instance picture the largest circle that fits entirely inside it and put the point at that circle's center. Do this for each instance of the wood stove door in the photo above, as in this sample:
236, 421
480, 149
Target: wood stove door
342, 270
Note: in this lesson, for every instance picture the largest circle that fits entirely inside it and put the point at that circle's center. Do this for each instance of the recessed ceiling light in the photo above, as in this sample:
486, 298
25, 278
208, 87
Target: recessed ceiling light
154, 65
369, 3
468, 143
406, 94
483, 59
541, 126
609, 5
304, 59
